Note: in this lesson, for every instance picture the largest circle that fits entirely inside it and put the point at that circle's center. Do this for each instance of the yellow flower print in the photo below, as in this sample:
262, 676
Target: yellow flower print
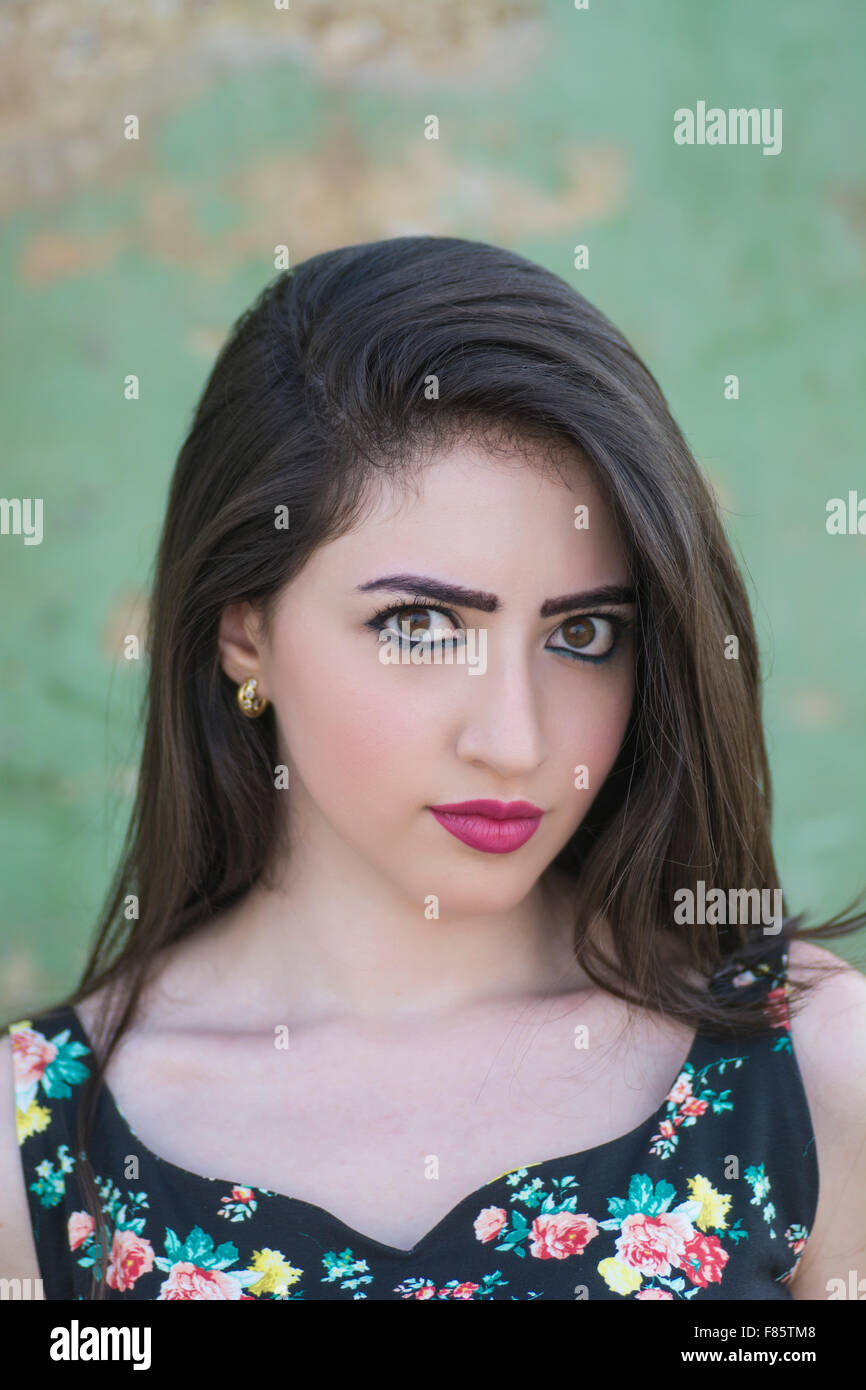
32, 1120
277, 1274
714, 1205
618, 1276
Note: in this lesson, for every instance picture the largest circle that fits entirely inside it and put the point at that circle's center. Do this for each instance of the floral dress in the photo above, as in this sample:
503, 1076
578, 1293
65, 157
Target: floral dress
711, 1197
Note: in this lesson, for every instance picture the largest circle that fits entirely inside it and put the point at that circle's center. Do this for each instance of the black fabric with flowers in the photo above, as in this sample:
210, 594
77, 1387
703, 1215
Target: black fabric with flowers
712, 1197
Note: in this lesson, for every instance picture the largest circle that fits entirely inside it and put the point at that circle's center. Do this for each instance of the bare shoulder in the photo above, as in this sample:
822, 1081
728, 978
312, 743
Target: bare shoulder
828, 1032
18, 1258
832, 1018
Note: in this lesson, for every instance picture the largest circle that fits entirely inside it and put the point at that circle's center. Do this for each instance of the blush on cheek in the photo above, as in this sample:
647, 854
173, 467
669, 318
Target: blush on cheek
351, 746
598, 742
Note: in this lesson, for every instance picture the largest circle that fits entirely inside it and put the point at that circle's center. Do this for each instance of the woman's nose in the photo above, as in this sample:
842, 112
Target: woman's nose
502, 724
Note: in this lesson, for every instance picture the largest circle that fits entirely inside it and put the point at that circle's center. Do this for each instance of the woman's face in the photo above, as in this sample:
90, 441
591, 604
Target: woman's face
371, 745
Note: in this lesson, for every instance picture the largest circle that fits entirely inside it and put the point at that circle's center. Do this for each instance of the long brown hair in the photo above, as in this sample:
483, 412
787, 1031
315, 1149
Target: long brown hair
347, 369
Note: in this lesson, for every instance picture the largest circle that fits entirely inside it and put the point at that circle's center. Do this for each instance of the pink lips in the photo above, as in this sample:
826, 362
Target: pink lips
497, 827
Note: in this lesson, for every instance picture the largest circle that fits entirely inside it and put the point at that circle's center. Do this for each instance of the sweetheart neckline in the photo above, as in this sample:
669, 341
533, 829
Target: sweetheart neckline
581, 1156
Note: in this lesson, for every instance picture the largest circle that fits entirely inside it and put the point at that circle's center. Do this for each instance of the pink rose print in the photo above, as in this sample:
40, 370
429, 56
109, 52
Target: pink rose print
711, 1258
489, 1223
561, 1234
653, 1244
666, 1129
241, 1194
187, 1280
776, 1007
462, 1291
693, 1106
426, 1291
31, 1054
654, 1293
681, 1089
131, 1256
79, 1226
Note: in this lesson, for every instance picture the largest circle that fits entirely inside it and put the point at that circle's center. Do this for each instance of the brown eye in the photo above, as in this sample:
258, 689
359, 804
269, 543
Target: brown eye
415, 626
414, 623
591, 638
579, 631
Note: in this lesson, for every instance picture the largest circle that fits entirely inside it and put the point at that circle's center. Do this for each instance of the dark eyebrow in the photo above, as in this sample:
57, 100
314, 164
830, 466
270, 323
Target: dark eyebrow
489, 603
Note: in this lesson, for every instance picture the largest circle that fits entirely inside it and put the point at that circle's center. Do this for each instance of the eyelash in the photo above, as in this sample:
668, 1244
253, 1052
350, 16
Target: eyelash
620, 626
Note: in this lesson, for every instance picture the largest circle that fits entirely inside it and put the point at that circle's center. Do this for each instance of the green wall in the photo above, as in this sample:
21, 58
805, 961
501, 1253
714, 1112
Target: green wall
555, 129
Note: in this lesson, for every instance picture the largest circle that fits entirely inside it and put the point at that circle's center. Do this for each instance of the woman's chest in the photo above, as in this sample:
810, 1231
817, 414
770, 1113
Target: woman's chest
388, 1135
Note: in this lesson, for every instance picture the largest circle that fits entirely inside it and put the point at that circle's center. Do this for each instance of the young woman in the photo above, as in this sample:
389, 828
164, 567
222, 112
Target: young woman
447, 956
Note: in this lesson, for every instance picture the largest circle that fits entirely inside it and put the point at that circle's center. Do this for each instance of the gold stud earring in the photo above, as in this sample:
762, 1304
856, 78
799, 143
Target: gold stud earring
249, 703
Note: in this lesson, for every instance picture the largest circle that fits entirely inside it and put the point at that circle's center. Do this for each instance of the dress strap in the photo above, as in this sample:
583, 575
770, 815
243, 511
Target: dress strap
50, 1062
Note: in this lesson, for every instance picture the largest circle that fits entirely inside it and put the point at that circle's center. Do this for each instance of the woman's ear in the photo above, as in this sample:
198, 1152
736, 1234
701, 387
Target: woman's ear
240, 643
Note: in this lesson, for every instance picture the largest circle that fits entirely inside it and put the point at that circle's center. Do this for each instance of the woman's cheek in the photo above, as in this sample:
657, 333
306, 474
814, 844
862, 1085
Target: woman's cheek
363, 746
598, 733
